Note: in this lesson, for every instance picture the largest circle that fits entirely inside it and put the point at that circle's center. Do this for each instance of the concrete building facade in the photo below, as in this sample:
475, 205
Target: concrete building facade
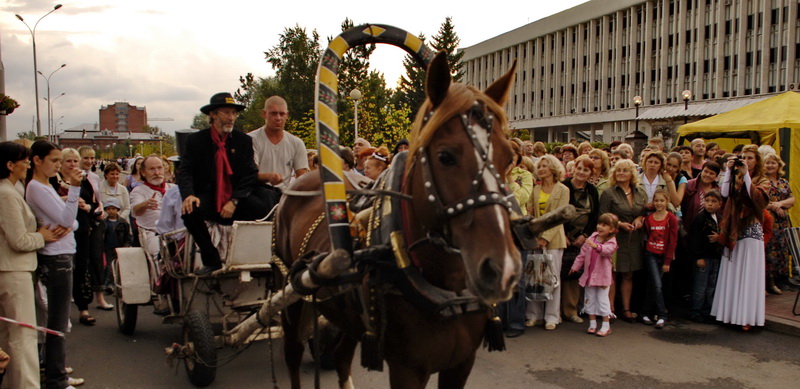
578, 71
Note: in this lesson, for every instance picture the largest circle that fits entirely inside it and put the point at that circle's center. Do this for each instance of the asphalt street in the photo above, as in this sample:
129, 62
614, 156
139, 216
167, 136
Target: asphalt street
683, 355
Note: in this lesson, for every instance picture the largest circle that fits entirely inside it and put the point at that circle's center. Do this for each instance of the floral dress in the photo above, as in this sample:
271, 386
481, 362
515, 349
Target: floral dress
776, 249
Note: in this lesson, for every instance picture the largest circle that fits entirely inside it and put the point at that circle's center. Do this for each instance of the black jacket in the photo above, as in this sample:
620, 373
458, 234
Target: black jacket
702, 226
197, 172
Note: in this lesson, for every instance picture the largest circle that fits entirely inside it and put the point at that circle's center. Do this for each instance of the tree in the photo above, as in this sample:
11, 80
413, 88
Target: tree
199, 122
295, 60
411, 88
29, 135
258, 92
447, 40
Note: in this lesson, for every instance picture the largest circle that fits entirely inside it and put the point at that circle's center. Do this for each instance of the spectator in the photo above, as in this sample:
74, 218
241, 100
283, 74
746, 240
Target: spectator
359, 145
614, 144
585, 198
676, 181
739, 299
661, 228
705, 253
170, 217
596, 260
698, 146
55, 260
401, 146
118, 234
376, 163
568, 153
313, 160
780, 201
549, 195
651, 179
169, 175
686, 160
599, 176
527, 150
19, 240
520, 183
626, 199
696, 189
111, 188
539, 149
90, 246
711, 151
657, 142
584, 148
134, 179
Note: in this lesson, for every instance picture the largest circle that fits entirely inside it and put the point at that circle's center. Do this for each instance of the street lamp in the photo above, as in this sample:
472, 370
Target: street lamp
141, 145
35, 65
637, 101
49, 107
355, 95
687, 95
53, 114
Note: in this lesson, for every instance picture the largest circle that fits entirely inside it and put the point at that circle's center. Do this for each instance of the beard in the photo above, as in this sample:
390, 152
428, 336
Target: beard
156, 181
226, 128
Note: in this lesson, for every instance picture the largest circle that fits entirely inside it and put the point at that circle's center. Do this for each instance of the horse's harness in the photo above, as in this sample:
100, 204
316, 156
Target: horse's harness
476, 115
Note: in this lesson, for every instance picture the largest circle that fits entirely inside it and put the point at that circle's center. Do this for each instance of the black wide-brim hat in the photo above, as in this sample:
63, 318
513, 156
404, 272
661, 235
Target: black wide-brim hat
222, 99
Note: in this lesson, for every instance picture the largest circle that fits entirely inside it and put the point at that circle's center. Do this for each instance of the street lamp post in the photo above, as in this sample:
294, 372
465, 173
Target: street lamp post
355, 95
35, 65
49, 106
141, 146
637, 101
687, 95
53, 114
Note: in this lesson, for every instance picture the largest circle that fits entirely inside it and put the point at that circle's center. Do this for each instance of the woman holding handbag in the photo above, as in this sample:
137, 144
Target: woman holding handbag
584, 197
549, 195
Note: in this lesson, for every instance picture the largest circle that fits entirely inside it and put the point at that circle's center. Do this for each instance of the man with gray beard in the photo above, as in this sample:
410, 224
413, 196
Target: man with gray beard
146, 201
218, 178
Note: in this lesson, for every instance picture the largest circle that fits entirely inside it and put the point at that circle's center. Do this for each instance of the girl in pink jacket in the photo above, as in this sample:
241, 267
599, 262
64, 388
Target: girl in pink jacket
595, 259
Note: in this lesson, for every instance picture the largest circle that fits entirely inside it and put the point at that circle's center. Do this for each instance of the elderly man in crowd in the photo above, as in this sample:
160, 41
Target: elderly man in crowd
146, 201
218, 178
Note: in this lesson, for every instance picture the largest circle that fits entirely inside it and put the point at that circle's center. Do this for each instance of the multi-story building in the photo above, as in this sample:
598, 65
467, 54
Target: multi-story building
579, 72
123, 117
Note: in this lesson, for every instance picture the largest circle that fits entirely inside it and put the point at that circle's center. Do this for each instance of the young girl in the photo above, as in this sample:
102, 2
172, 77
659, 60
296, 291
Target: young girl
662, 237
595, 258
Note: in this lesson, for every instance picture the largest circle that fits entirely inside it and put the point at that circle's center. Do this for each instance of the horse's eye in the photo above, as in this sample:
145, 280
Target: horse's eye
446, 158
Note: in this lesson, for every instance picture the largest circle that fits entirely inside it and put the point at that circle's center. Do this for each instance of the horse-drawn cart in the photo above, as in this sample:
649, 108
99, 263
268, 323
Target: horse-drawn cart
207, 307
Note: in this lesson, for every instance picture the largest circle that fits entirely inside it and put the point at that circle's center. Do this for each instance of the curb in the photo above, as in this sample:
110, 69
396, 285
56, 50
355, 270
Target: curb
781, 325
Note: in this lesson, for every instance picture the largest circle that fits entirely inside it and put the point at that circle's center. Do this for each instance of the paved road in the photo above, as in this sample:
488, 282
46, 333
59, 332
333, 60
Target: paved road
682, 355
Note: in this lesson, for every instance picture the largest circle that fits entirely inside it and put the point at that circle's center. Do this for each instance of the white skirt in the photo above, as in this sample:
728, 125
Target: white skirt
739, 297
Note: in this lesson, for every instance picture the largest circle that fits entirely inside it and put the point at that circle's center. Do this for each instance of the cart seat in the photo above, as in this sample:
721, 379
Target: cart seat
245, 245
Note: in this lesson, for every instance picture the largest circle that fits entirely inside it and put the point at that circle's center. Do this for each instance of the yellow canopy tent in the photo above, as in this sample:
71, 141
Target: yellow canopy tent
774, 121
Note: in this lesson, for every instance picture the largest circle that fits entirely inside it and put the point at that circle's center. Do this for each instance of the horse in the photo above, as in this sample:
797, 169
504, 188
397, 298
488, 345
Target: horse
456, 226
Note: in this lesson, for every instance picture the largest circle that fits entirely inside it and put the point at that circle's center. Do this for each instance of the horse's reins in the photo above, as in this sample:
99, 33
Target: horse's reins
475, 116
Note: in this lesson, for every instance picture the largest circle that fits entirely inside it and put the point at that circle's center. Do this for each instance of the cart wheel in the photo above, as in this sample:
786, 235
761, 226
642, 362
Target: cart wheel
201, 356
126, 313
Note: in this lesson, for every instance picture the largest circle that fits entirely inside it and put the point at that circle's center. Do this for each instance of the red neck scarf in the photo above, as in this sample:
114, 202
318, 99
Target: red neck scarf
158, 188
223, 169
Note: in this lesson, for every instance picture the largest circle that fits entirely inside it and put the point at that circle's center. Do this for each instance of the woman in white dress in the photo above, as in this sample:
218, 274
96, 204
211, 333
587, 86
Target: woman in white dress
739, 298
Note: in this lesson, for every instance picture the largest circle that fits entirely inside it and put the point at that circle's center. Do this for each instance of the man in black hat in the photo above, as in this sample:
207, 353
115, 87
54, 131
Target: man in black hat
218, 178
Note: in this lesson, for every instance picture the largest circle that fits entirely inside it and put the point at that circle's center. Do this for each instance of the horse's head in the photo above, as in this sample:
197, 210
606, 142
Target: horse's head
458, 158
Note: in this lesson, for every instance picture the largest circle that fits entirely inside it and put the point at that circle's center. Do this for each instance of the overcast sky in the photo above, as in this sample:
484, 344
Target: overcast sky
172, 55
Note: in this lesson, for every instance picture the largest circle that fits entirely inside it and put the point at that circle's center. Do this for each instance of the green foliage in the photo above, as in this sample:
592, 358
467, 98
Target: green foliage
30, 135
411, 86
600, 145
295, 61
199, 122
447, 39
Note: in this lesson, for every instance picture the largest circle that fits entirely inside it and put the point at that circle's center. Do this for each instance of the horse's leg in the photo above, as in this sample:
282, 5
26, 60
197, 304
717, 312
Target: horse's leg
292, 347
456, 378
345, 351
406, 377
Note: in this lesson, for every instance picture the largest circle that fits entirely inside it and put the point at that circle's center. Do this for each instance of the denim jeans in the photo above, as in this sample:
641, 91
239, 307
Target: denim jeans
512, 312
654, 298
705, 283
55, 272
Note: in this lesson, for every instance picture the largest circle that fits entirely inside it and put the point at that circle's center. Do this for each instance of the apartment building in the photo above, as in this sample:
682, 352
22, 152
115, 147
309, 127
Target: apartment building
604, 68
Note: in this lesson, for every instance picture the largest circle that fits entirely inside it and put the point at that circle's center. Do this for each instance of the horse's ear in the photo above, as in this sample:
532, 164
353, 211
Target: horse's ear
499, 89
438, 79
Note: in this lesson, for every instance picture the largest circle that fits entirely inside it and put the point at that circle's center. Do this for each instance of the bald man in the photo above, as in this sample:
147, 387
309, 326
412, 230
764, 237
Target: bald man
280, 156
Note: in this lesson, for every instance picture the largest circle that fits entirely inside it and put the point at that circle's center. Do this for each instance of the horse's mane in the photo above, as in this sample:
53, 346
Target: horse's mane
460, 97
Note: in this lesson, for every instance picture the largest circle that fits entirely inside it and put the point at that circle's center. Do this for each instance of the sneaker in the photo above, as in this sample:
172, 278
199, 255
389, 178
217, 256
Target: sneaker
575, 319
72, 382
647, 321
660, 324
550, 326
533, 323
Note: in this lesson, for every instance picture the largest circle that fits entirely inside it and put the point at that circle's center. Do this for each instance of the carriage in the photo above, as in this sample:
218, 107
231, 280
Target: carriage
206, 307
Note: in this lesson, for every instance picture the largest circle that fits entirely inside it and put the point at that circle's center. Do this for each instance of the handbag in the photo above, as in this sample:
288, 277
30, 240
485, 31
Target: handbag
540, 277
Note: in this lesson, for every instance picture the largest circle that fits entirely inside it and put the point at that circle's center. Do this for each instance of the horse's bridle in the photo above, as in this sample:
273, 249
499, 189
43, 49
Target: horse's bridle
476, 115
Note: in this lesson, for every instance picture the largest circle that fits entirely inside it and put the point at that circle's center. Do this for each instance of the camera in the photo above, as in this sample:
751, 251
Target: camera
738, 162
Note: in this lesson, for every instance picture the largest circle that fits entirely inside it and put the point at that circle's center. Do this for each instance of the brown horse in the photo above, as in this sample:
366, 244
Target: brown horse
457, 228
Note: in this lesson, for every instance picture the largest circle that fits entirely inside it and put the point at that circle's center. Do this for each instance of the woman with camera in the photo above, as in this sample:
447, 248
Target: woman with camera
739, 297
